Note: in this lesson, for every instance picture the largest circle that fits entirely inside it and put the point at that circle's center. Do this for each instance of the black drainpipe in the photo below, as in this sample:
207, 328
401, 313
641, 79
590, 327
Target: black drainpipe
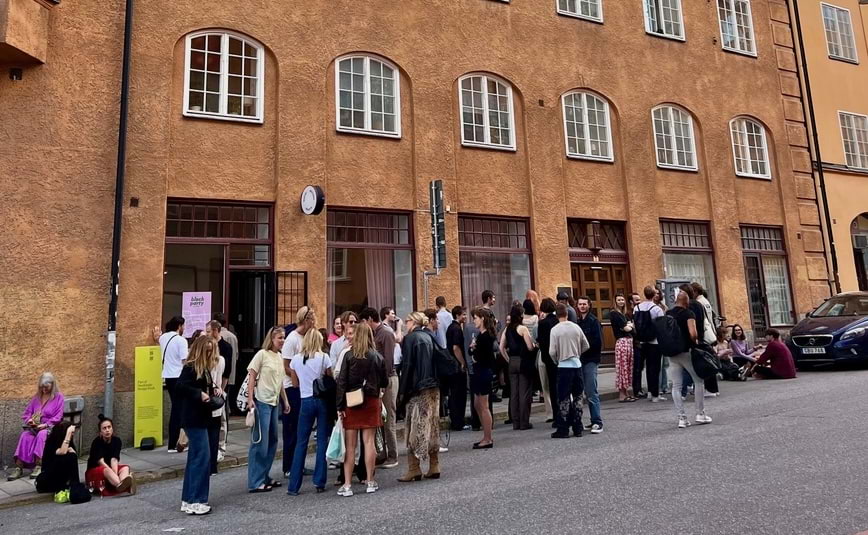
835, 283
111, 335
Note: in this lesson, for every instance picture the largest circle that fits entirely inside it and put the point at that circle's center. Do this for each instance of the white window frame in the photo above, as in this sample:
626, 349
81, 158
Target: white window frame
840, 35
730, 7
858, 154
740, 123
691, 127
367, 130
646, 5
485, 111
586, 129
224, 78
578, 14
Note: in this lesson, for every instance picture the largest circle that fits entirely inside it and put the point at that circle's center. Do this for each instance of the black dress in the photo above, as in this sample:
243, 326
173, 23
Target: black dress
59, 472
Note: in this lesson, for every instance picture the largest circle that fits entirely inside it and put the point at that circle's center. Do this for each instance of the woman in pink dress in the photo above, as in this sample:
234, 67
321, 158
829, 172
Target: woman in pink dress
42, 413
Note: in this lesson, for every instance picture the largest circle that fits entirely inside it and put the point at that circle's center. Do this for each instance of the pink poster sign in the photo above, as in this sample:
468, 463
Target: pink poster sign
196, 310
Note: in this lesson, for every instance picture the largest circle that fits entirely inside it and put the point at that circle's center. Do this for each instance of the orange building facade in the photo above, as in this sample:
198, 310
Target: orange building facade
835, 35
591, 146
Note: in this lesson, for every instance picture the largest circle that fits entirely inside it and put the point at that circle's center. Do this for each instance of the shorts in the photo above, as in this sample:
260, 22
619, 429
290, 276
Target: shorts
480, 381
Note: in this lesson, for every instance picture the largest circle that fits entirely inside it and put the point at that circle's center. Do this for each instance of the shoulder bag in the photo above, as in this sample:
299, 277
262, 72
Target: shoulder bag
324, 387
705, 364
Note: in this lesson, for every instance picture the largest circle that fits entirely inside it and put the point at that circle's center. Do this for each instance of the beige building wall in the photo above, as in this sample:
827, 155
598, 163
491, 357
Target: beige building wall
59, 129
838, 86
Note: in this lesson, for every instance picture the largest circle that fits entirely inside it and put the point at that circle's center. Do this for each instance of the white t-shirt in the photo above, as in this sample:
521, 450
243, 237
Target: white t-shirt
173, 348
217, 380
309, 371
291, 348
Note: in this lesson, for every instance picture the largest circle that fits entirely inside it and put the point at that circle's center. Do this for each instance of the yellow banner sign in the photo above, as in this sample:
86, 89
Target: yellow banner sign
148, 419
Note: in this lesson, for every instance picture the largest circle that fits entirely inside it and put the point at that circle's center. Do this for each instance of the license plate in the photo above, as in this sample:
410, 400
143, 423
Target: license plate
813, 351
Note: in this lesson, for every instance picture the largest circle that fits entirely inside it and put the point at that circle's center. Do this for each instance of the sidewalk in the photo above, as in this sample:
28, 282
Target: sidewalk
158, 464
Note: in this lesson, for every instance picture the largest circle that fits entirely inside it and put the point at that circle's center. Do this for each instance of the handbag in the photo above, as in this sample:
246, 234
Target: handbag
705, 364
241, 402
215, 403
356, 397
380, 445
324, 387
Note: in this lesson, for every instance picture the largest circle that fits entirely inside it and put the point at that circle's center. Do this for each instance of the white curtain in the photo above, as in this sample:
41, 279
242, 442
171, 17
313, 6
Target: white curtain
777, 290
693, 267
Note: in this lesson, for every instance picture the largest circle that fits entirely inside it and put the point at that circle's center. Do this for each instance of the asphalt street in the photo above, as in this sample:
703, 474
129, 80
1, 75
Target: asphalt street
782, 457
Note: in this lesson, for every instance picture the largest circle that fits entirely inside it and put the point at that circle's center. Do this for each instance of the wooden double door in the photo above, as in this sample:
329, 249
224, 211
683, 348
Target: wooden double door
601, 283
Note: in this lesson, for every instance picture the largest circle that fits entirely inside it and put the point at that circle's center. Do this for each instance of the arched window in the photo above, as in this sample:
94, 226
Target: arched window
736, 26
224, 77
587, 127
673, 138
368, 96
749, 148
486, 112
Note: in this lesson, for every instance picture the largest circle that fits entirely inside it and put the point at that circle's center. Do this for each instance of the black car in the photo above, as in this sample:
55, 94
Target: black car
835, 332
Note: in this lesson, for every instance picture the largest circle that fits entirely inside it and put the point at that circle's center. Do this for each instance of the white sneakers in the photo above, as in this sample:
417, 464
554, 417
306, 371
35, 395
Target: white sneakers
220, 456
390, 464
345, 491
596, 429
372, 487
712, 394
703, 418
195, 508
658, 399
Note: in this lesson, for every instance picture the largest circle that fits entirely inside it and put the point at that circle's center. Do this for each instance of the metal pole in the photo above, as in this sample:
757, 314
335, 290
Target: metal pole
111, 334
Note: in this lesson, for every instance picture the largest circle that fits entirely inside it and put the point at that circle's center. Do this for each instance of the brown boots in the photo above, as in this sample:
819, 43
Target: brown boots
433, 466
413, 471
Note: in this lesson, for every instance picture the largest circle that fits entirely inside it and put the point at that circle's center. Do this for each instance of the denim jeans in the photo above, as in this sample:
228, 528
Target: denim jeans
589, 377
197, 476
290, 426
569, 389
312, 410
261, 454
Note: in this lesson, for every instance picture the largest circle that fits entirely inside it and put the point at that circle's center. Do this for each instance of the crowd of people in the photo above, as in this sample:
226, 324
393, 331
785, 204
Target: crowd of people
374, 369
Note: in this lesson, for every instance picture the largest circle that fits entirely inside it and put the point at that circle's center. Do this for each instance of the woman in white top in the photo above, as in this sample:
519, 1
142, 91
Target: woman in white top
309, 367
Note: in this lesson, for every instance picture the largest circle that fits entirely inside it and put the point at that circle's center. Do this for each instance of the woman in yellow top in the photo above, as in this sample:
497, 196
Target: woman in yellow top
266, 372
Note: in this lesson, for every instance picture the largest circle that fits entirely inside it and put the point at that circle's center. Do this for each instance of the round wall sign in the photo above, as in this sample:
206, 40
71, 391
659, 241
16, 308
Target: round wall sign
312, 200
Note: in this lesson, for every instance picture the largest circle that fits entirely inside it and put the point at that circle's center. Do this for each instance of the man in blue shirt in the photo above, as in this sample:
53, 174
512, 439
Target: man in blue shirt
591, 361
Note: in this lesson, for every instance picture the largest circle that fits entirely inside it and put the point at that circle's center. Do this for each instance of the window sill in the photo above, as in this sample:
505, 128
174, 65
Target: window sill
590, 158
844, 60
678, 168
666, 36
739, 52
472, 145
580, 17
767, 178
229, 118
345, 130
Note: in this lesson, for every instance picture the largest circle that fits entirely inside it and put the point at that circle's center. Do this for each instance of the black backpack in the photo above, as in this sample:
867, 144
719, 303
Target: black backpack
78, 493
644, 323
445, 364
669, 338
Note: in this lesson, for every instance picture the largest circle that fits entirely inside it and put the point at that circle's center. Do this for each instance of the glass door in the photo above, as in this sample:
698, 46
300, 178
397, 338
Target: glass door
192, 268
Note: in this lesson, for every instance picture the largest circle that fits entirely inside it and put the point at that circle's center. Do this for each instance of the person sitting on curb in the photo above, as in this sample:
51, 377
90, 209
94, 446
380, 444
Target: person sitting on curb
104, 470
776, 362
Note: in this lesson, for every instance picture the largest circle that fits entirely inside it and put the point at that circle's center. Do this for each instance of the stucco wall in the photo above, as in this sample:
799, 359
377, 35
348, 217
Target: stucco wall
838, 86
433, 43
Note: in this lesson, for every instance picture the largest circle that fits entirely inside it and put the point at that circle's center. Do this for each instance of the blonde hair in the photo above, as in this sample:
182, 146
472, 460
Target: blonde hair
419, 318
302, 314
45, 378
268, 341
363, 340
312, 343
203, 355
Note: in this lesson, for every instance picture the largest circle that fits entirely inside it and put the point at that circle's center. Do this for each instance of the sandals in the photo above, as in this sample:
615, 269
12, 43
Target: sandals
273, 484
266, 488
477, 446
628, 399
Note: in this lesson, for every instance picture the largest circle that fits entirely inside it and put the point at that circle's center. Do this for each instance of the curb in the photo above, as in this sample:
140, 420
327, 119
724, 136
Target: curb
175, 472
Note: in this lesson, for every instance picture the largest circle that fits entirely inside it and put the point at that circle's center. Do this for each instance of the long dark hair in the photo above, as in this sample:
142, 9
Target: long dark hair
516, 315
488, 324
56, 437
734, 336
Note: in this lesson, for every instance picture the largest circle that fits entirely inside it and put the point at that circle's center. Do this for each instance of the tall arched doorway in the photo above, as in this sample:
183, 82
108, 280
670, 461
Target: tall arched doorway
859, 232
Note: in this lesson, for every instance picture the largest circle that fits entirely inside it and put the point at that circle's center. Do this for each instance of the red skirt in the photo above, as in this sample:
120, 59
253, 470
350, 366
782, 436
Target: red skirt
368, 415
94, 475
